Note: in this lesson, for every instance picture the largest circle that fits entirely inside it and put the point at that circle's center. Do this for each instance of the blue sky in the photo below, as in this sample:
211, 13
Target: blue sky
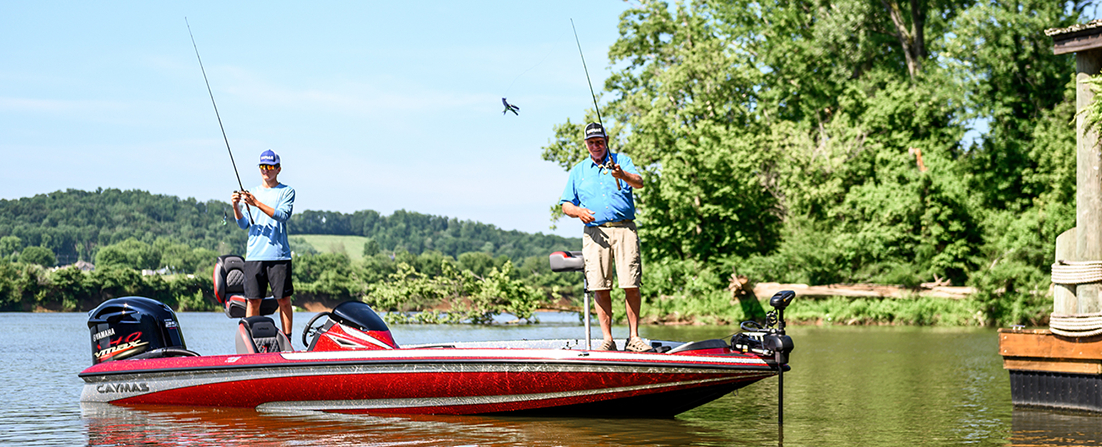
371, 105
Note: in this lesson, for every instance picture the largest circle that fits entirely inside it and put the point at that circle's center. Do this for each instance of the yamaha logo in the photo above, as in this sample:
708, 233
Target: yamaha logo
103, 334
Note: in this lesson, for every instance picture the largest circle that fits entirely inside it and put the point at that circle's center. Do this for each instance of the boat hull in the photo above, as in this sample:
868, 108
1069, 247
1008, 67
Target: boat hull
432, 381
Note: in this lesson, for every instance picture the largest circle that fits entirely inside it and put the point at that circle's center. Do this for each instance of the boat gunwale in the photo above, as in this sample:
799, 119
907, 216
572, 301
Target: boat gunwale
671, 361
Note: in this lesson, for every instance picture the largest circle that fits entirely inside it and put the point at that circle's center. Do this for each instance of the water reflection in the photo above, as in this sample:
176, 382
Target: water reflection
109, 425
1034, 427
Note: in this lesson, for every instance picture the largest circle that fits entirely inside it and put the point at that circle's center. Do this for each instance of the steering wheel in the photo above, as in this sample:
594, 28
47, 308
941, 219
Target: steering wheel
750, 326
310, 330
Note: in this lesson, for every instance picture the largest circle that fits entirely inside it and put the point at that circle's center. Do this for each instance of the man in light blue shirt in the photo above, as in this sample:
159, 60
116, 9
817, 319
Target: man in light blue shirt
268, 255
598, 193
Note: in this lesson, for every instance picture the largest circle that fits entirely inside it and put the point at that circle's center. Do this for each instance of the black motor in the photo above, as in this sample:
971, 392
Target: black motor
135, 327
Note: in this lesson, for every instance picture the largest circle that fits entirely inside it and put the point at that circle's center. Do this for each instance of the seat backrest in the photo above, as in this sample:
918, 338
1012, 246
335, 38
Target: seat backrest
567, 261
229, 277
260, 334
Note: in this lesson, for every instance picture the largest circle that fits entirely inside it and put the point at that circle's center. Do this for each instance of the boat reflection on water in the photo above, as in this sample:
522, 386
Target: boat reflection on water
168, 425
1035, 427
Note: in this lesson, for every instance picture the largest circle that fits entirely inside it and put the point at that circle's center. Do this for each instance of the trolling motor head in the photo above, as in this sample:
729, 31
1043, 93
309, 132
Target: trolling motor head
782, 299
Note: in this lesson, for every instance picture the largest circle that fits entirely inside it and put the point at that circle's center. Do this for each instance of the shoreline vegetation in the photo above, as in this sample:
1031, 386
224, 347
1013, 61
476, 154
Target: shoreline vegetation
455, 297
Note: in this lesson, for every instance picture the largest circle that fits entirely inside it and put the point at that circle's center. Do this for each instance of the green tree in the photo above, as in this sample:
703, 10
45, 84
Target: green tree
38, 255
371, 247
10, 246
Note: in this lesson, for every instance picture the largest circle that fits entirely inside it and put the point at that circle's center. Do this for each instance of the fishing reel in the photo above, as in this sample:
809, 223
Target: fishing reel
608, 165
768, 340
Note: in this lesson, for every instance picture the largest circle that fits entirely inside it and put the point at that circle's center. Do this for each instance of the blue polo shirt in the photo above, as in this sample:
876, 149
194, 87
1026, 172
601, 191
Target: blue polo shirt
594, 188
268, 235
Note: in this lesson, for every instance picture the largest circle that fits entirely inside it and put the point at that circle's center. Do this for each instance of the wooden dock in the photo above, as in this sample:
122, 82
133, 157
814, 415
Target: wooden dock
1047, 370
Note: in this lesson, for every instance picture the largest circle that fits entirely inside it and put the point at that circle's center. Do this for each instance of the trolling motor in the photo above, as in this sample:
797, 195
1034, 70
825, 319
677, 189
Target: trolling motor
770, 340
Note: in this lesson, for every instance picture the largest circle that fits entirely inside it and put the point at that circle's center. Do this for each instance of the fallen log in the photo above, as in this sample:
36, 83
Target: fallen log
765, 290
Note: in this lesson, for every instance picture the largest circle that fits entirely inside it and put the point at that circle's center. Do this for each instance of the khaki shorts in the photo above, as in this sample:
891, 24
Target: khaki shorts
601, 246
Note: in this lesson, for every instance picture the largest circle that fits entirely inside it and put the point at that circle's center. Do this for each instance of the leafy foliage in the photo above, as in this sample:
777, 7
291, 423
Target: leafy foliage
824, 141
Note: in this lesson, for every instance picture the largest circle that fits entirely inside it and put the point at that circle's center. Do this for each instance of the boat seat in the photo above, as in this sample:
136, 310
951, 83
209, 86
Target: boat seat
259, 334
229, 287
714, 343
567, 261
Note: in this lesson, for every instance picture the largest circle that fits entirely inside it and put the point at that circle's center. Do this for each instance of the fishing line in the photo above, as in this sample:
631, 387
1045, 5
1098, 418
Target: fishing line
224, 137
544, 59
545, 56
608, 147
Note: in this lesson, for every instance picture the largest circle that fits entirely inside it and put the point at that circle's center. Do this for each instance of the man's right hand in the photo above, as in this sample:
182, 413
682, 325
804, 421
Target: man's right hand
583, 214
235, 198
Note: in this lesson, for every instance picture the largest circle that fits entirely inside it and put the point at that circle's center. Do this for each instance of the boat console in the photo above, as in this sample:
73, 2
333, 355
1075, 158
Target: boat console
352, 325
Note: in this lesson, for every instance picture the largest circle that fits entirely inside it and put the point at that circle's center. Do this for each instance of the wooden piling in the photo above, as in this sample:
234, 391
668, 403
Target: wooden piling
1048, 370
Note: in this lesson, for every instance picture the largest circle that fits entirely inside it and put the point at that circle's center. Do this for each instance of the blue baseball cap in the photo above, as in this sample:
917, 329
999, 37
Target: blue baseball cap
269, 158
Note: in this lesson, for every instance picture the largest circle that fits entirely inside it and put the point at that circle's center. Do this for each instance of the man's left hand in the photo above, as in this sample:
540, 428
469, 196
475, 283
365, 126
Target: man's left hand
248, 198
616, 171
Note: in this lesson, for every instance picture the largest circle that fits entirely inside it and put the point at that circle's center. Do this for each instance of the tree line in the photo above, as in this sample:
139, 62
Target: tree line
78, 225
411, 261
847, 141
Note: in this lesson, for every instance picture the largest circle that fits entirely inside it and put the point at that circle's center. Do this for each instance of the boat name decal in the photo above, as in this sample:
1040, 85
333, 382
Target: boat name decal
103, 334
122, 388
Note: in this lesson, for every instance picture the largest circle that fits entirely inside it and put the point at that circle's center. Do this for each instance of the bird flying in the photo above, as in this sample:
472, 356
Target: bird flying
509, 108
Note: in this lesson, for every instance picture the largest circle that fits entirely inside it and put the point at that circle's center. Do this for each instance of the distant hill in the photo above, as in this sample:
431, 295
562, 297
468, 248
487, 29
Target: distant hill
75, 223
417, 233
353, 246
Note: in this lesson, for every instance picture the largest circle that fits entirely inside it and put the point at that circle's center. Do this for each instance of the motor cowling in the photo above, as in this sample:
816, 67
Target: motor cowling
134, 326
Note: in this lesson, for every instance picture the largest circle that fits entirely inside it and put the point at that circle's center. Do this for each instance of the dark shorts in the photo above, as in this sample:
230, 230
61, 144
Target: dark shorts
260, 274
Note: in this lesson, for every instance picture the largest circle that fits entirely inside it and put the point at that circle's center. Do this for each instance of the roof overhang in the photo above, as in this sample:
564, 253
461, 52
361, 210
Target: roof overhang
1075, 38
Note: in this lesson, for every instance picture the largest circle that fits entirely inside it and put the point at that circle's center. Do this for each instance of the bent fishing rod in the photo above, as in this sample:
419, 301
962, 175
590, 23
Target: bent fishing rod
226, 139
594, 96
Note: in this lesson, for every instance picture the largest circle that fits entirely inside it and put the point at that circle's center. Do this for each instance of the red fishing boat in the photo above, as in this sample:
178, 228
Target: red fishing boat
352, 364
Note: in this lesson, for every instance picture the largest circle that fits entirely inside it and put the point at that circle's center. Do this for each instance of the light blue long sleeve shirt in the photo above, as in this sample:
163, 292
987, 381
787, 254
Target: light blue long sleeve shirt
268, 235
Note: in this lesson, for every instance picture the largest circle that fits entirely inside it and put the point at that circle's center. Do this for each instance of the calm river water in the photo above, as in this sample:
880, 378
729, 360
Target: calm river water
849, 386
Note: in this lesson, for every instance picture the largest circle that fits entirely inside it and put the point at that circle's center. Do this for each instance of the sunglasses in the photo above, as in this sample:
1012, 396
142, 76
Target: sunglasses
269, 167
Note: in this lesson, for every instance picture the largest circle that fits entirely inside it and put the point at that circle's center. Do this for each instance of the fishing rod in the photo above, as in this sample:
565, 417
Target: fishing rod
594, 96
239, 184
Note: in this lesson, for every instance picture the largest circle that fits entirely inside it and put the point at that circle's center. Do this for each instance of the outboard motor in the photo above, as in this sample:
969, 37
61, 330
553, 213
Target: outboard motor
229, 287
352, 325
134, 327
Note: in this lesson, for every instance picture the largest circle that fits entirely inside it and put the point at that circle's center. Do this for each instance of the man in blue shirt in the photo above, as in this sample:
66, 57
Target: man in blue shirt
598, 193
268, 255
